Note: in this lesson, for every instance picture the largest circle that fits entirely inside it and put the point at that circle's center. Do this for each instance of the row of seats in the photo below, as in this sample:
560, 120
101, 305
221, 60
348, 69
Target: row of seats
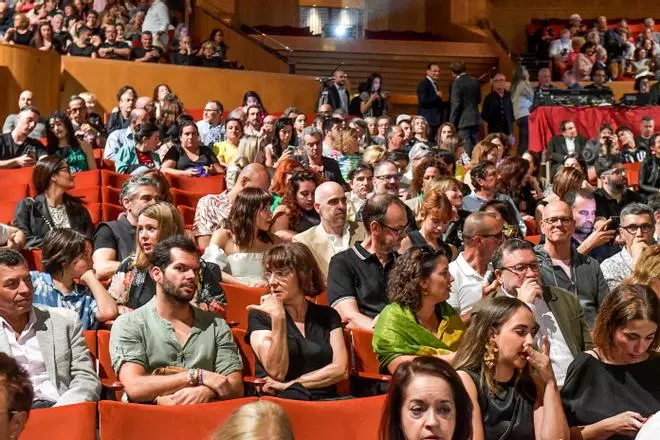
351, 419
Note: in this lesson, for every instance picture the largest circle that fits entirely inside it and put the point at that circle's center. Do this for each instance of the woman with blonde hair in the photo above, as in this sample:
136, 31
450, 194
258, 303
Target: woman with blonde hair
250, 150
372, 154
262, 420
346, 150
132, 286
420, 129
646, 269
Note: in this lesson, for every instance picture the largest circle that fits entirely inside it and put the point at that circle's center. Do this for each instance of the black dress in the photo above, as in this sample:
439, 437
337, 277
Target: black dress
514, 402
454, 233
183, 162
307, 220
615, 388
417, 240
307, 353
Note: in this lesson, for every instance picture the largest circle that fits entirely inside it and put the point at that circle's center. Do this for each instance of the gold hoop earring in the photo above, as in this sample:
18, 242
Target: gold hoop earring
490, 356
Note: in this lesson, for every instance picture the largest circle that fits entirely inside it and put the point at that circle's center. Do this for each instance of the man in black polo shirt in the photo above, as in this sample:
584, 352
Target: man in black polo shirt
147, 52
357, 277
115, 240
113, 49
614, 195
17, 150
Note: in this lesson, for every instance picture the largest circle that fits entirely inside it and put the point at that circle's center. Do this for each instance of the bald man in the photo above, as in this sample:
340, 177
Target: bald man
482, 235
213, 209
147, 104
25, 100
335, 233
563, 266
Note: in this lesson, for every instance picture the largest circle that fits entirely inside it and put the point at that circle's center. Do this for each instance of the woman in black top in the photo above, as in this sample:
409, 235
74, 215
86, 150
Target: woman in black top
611, 390
132, 286
20, 34
373, 101
219, 46
649, 172
190, 158
206, 56
511, 384
44, 39
296, 213
435, 215
53, 207
299, 345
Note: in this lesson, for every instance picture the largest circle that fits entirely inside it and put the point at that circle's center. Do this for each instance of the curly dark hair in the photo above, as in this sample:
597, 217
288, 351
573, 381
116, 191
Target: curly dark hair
511, 173
289, 198
297, 258
241, 220
414, 266
417, 183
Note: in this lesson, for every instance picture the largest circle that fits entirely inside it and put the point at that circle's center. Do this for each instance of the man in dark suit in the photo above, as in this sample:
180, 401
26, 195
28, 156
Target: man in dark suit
431, 105
338, 96
497, 110
565, 143
465, 100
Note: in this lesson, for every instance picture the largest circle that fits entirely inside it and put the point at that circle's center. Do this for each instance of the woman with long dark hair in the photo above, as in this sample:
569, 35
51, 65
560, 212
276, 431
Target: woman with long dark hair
426, 399
296, 213
281, 140
62, 141
52, 207
252, 98
43, 38
190, 158
219, 47
239, 248
373, 100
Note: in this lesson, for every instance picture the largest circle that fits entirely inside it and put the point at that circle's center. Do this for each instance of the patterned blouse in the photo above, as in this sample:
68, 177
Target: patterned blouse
211, 213
80, 299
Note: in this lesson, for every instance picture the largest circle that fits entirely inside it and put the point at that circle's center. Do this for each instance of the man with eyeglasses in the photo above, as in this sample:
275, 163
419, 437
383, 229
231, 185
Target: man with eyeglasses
637, 228
387, 180
557, 312
210, 127
614, 194
484, 181
357, 277
482, 235
563, 266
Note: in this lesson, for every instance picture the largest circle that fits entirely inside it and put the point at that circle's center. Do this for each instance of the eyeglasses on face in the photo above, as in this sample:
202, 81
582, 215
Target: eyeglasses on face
563, 220
388, 177
398, 231
619, 171
279, 274
521, 268
645, 228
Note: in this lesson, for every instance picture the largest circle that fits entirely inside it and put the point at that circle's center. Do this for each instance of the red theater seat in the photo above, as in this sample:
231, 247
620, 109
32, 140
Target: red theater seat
62, 423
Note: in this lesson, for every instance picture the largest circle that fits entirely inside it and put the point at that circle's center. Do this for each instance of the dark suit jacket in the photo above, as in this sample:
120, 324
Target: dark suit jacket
334, 100
557, 149
116, 122
331, 171
465, 100
569, 316
491, 112
430, 104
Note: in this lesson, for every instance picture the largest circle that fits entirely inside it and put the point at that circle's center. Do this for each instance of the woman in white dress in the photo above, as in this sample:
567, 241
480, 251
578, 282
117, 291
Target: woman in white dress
239, 247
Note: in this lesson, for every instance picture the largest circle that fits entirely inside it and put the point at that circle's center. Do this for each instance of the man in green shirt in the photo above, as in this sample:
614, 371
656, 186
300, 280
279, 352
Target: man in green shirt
169, 332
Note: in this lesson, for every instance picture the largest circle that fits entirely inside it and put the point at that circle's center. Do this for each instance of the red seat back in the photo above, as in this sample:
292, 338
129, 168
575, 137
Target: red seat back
352, 419
111, 212
633, 173
534, 239
185, 198
62, 423
238, 298
13, 192
85, 179
199, 185
105, 364
113, 179
188, 215
92, 345
7, 210
88, 194
33, 258
364, 358
110, 195
247, 354
95, 212
131, 421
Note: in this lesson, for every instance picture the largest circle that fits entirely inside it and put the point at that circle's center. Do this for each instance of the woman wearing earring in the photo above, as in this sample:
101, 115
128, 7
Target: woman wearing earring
418, 321
511, 384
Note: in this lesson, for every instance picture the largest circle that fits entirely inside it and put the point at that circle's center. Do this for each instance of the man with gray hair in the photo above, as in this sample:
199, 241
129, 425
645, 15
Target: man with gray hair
115, 240
637, 228
334, 234
314, 159
124, 136
25, 100
395, 139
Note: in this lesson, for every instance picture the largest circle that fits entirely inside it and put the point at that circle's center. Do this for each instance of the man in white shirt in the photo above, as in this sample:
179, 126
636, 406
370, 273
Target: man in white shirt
48, 343
569, 142
157, 21
482, 234
334, 234
560, 48
557, 312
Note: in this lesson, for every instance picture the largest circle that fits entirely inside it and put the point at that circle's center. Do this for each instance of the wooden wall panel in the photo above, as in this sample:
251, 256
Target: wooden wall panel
23, 68
270, 12
194, 85
509, 17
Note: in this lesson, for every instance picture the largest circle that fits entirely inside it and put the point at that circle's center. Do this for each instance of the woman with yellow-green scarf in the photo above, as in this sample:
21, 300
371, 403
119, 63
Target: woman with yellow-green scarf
418, 321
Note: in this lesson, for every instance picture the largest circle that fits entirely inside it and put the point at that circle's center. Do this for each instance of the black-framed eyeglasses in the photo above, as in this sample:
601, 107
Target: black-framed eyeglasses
64, 168
522, 268
388, 177
397, 231
211, 109
564, 220
645, 228
619, 171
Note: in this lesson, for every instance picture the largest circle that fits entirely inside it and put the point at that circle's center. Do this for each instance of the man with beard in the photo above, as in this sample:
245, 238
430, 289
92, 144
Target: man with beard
338, 96
357, 278
596, 242
614, 194
334, 234
196, 346
565, 267
557, 312
361, 180
637, 228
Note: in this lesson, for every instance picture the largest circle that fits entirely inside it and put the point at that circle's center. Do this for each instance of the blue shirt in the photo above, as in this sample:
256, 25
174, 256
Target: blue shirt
472, 202
116, 140
79, 300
